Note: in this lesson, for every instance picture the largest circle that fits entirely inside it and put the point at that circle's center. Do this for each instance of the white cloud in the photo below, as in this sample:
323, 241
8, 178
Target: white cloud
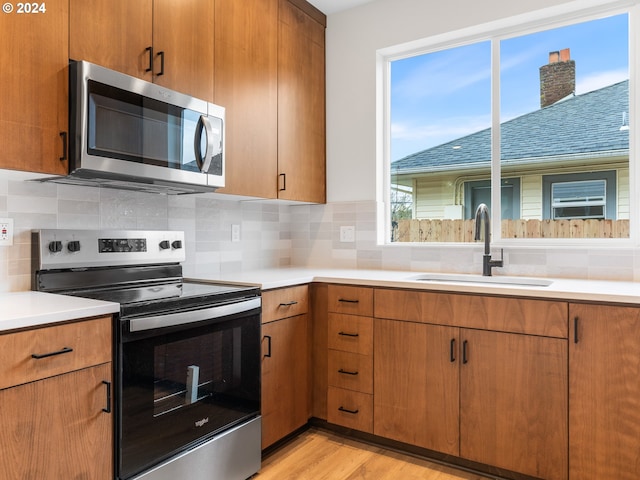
598, 80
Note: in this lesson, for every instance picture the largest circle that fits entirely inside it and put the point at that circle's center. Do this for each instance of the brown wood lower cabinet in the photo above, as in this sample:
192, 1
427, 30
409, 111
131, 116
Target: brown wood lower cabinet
416, 384
604, 392
546, 389
495, 398
513, 402
285, 377
56, 428
55, 402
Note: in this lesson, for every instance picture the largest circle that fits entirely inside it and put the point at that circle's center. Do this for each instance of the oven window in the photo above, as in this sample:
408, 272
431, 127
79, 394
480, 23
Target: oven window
178, 383
180, 388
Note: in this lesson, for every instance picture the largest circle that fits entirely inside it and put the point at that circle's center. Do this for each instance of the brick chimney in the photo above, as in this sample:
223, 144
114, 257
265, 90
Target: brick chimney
558, 78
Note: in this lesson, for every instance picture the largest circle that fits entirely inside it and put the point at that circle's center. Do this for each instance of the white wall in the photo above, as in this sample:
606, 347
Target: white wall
352, 39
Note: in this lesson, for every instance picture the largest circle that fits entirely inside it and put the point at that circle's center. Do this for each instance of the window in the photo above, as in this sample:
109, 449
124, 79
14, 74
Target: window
535, 112
584, 196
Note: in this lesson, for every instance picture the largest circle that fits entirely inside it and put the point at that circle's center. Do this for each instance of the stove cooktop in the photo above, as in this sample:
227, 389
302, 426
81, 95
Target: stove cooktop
161, 297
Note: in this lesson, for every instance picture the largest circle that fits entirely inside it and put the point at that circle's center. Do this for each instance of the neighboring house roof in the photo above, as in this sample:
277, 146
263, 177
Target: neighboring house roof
585, 125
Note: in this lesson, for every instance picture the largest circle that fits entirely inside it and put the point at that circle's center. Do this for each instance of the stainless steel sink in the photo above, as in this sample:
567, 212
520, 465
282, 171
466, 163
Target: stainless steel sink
479, 279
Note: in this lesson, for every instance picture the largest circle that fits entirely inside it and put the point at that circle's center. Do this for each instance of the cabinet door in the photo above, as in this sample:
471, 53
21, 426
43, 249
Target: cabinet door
33, 96
183, 44
301, 106
513, 402
56, 428
246, 83
285, 383
604, 393
112, 33
416, 377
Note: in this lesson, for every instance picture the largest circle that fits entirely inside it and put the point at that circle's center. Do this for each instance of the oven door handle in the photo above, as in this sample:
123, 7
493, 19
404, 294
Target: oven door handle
191, 316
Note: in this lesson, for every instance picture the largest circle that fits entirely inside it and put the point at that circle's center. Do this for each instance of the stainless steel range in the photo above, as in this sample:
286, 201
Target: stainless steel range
187, 354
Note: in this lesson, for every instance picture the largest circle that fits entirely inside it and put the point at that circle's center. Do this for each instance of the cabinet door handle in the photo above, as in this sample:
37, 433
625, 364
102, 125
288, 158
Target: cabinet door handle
283, 177
288, 304
268, 354
150, 67
346, 410
63, 135
575, 329
347, 372
345, 334
464, 352
346, 300
38, 356
452, 350
108, 385
161, 55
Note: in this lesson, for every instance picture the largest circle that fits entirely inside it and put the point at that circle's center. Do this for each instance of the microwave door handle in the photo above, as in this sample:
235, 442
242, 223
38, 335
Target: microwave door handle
203, 163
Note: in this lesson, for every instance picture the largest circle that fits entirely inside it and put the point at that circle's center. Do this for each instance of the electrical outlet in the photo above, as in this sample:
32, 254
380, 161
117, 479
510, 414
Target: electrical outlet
348, 234
6, 231
235, 232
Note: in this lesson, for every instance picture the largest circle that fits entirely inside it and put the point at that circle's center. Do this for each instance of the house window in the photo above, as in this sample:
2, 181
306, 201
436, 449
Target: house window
586, 199
519, 105
584, 196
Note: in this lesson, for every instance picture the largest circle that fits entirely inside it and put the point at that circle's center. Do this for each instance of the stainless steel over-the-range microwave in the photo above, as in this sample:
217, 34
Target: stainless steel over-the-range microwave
125, 132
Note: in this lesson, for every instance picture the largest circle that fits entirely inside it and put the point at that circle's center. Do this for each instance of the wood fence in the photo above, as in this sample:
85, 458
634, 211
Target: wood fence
462, 230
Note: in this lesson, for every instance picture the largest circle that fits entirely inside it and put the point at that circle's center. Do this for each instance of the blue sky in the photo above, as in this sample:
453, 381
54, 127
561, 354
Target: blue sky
445, 95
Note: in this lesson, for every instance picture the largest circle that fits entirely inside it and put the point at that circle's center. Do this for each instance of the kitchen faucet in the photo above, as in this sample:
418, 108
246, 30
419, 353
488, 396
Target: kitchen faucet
482, 214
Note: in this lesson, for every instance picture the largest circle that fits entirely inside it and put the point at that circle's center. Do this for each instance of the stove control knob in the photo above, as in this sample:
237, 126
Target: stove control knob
55, 246
176, 244
164, 244
73, 246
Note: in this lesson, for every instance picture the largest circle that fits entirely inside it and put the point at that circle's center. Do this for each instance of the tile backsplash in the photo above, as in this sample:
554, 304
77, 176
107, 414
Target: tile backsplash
265, 240
271, 235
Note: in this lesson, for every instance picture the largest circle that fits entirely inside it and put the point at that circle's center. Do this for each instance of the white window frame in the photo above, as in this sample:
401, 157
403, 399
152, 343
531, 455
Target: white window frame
554, 17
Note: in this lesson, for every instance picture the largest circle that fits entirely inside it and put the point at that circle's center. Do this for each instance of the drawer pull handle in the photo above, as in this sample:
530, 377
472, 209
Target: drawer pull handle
346, 300
108, 385
345, 334
288, 304
51, 354
346, 410
347, 372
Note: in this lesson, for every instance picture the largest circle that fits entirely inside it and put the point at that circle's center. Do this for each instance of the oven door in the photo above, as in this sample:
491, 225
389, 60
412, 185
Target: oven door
180, 385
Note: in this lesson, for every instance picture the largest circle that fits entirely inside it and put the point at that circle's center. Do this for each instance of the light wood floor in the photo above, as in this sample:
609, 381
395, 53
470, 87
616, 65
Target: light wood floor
320, 455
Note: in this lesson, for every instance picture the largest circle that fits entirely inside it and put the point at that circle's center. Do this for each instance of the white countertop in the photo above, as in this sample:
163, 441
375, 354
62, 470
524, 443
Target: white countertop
31, 309
563, 289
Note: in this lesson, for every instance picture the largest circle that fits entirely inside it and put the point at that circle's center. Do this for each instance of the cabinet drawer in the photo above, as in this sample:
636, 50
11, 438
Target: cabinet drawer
351, 371
516, 315
43, 352
284, 303
350, 409
350, 300
350, 333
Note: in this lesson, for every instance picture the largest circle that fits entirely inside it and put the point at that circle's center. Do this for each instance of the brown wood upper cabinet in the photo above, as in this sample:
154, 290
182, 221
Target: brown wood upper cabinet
269, 74
246, 83
169, 43
33, 116
301, 103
